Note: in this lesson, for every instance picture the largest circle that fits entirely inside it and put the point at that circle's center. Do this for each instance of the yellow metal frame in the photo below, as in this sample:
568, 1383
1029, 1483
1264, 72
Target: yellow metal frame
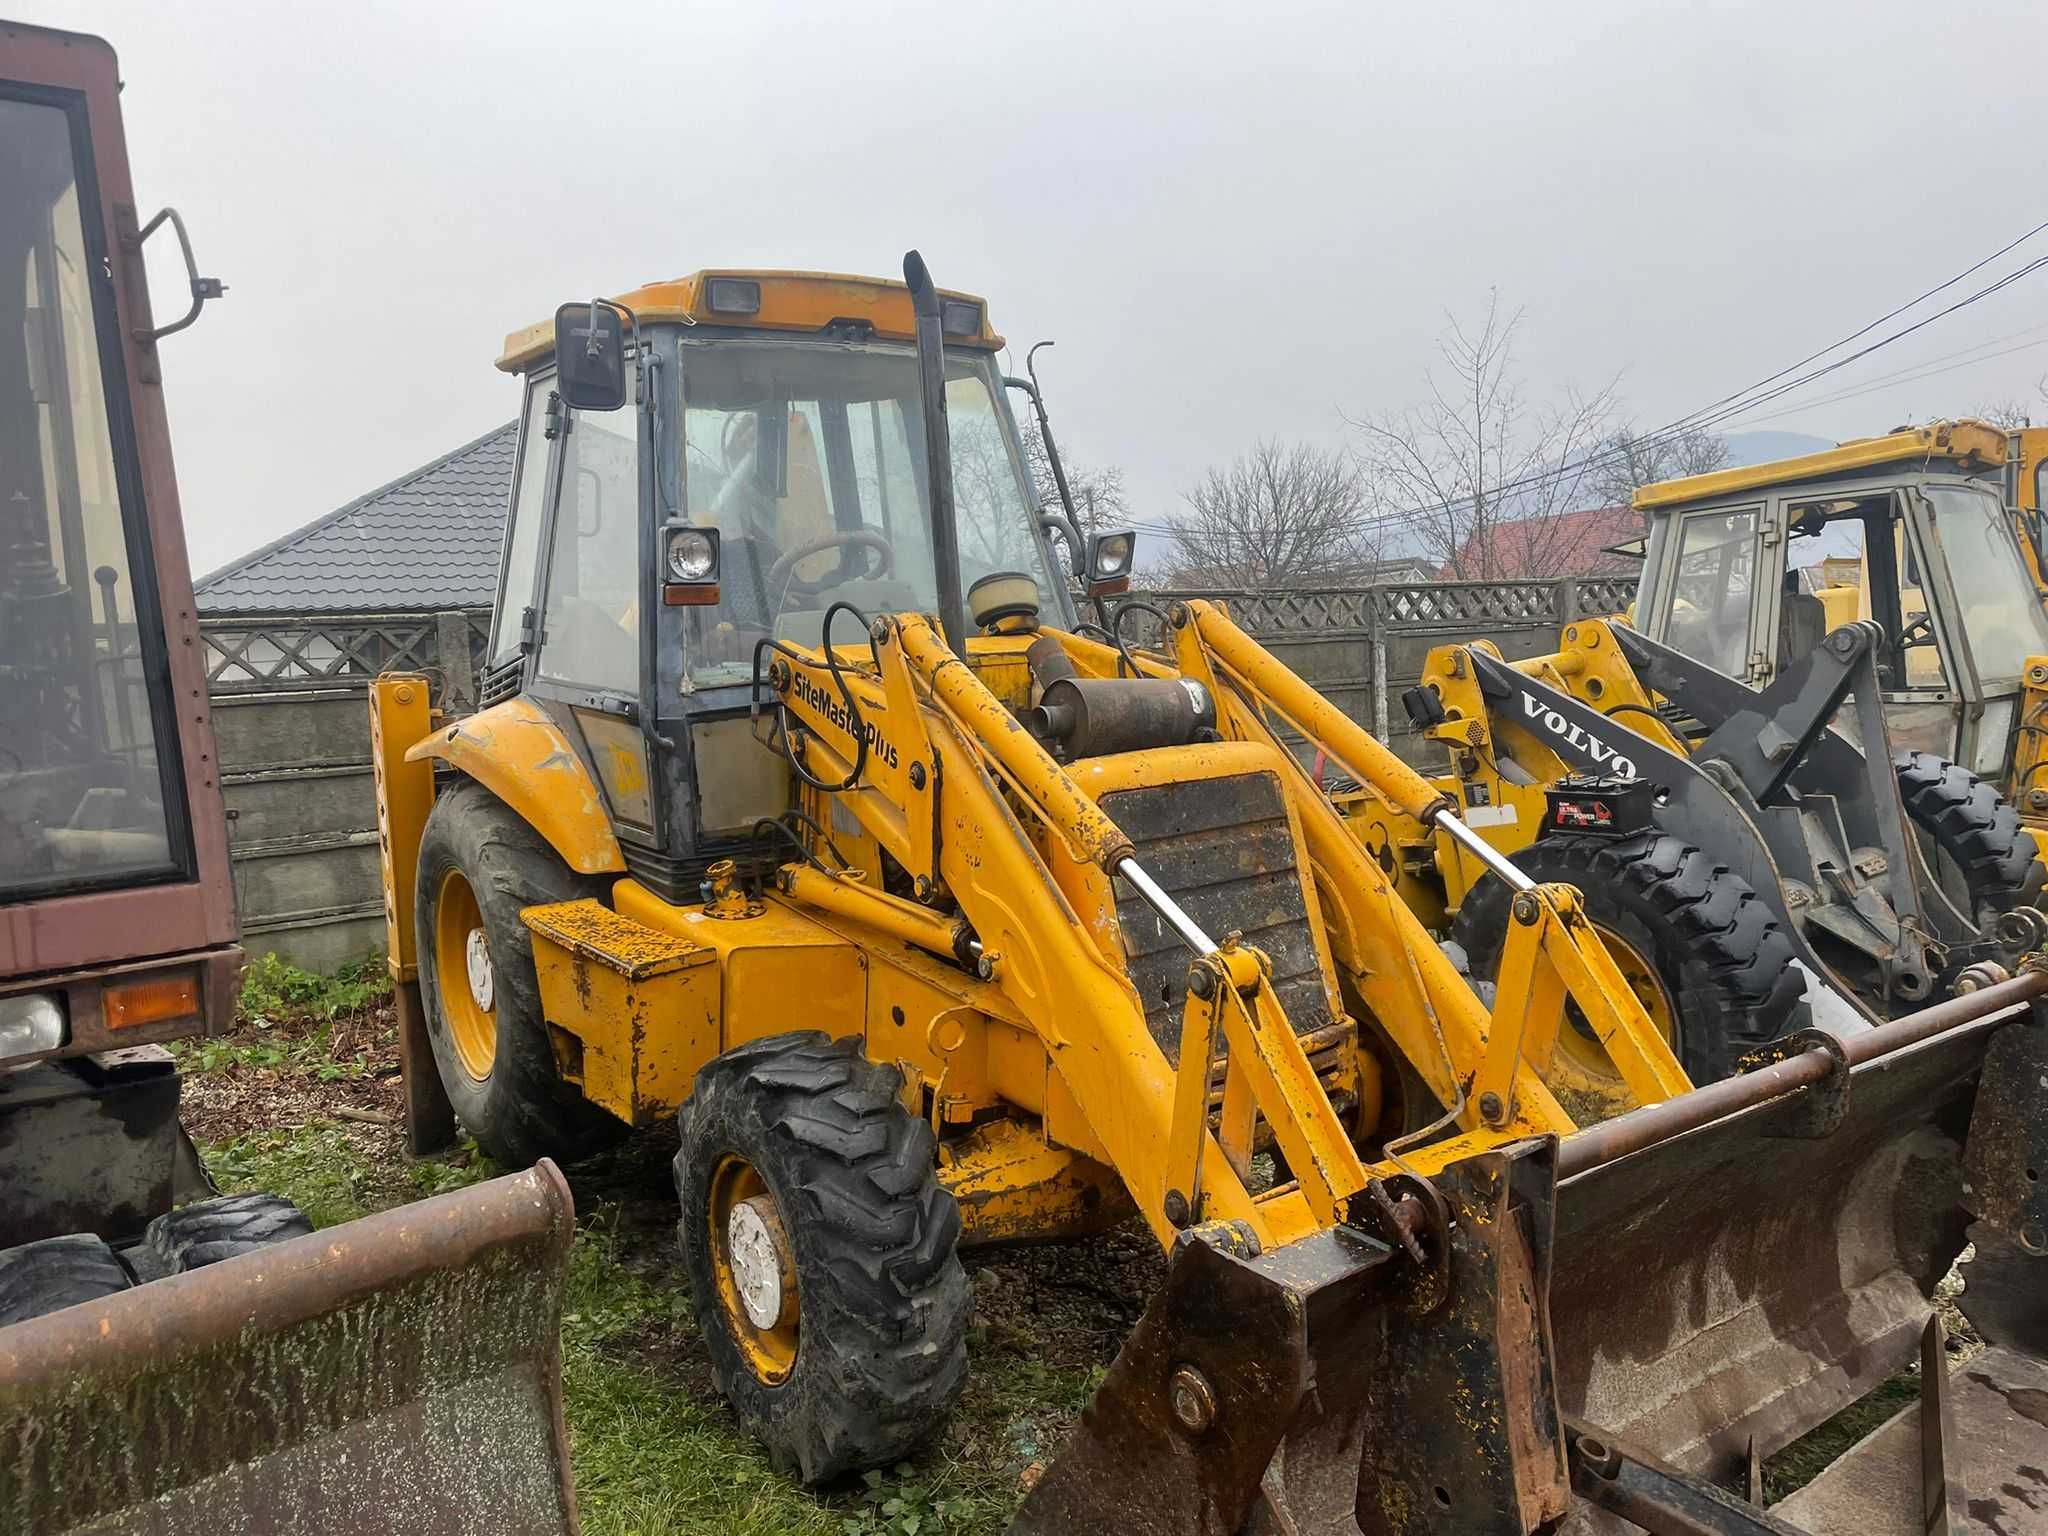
790, 301
516, 752
1037, 1022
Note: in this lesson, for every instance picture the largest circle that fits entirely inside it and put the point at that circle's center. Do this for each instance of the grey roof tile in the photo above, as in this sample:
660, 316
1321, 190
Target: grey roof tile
428, 540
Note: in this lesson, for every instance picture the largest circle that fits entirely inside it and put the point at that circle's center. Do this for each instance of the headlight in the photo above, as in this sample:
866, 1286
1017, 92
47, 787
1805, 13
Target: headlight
30, 1023
733, 296
1109, 555
957, 317
692, 554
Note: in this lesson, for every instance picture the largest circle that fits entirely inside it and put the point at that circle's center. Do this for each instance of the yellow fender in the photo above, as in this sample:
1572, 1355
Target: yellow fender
516, 752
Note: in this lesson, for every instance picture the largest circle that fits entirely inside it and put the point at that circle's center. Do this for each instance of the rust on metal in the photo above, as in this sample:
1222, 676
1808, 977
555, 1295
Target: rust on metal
1736, 1282
1943, 1503
1212, 1390
1985, 1009
2007, 1151
1463, 1407
399, 1374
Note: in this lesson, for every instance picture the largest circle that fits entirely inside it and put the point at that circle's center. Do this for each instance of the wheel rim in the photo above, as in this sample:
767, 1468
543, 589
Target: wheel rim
751, 1262
1577, 1043
465, 980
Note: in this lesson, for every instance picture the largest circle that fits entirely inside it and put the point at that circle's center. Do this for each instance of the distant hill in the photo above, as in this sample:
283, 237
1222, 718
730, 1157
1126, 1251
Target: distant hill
1767, 447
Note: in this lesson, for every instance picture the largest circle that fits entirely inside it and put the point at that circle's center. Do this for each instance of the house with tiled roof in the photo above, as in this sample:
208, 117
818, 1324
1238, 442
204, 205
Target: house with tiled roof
426, 543
401, 579
1544, 548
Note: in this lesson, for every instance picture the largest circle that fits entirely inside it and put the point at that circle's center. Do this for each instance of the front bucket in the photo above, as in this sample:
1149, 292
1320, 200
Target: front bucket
1734, 1286
1702, 1280
399, 1374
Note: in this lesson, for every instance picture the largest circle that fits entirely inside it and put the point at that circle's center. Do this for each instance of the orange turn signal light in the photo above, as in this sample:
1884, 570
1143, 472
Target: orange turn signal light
135, 1003
677, 594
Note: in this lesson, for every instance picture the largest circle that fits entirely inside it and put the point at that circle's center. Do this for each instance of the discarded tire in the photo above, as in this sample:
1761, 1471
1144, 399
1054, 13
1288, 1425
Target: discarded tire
57, 1272
223, 1228
820, 1251
1723, 965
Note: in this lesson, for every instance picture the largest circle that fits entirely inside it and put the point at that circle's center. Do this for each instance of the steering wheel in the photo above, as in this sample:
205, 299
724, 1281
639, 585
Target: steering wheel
883, 561
1919, 630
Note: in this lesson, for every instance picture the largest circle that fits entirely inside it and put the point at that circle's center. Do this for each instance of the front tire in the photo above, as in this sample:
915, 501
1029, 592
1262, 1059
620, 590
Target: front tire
479, 864
1691, 927
821, 1254
1970, 834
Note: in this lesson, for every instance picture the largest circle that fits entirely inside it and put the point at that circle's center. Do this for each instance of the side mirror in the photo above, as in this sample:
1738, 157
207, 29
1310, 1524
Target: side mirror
1110, 558
590, 355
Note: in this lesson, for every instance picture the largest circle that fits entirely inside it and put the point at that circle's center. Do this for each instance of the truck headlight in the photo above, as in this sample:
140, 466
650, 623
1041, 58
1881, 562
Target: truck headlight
30, 1023
693, 554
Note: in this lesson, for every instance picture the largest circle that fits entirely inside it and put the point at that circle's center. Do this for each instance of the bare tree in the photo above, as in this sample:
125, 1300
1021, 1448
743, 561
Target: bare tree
1098, 490
1277, 516
1475, 459
2009, 414
1629, 460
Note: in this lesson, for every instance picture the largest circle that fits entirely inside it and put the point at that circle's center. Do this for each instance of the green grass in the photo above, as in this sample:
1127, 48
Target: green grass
655, 1451
295, 1021
276, 991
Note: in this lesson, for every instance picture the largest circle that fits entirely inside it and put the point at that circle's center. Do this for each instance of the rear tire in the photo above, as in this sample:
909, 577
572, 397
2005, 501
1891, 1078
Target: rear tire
503, 1080
57, 1272
208, 1231
874, 1348
1974, 828
1715, 948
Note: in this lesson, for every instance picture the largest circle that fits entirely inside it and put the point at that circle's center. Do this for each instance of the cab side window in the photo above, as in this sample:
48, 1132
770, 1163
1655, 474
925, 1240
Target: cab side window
1711, 597
522, 532
590, 622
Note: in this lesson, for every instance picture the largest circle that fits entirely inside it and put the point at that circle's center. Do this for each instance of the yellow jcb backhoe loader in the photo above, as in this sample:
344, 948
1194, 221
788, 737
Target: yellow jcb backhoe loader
802, 811
173, 1361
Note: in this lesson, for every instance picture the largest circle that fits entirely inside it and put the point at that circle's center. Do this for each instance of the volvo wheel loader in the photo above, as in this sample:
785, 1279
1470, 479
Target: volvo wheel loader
1748, 864
1934, 532
804, 812
172, 1361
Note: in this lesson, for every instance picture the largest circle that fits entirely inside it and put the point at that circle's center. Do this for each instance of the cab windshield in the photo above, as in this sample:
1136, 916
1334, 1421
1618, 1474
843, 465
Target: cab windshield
808, 458
84, 798
2002, 610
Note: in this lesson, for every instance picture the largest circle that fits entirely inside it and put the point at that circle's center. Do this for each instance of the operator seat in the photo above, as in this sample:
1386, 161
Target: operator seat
1802, 622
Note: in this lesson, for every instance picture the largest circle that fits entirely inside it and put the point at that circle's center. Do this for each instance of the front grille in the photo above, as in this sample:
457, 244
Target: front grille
1222, 849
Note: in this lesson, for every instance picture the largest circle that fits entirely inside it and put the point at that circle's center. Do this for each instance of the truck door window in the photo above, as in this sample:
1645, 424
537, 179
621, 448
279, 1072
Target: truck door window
84, 742
1711, 597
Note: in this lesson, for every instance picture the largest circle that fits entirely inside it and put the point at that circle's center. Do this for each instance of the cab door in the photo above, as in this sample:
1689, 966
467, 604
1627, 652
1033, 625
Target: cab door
1711, 600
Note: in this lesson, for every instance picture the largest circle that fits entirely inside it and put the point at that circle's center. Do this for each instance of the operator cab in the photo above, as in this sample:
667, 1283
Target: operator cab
1748, 569
90, 790
760, 480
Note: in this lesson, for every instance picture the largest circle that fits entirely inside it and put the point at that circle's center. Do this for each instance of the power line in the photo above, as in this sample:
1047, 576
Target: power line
1931, 369
1740, 402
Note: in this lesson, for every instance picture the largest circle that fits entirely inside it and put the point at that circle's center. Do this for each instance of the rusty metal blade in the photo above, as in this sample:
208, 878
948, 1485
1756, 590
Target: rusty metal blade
399, 1374
1747, 1278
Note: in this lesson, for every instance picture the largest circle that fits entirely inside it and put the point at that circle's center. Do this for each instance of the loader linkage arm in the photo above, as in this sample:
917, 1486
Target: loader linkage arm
941, 751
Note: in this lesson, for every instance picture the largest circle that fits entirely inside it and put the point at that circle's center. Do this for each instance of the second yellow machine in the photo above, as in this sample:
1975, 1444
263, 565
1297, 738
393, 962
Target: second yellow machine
804, 808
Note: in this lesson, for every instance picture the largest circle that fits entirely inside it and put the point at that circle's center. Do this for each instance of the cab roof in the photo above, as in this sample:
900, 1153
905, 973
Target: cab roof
1967, 444
790, 301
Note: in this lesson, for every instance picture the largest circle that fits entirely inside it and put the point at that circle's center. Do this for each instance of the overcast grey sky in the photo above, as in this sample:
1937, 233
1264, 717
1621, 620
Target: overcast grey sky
1236, 220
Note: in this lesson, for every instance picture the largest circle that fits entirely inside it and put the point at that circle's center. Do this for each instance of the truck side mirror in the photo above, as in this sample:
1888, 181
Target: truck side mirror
590, 355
